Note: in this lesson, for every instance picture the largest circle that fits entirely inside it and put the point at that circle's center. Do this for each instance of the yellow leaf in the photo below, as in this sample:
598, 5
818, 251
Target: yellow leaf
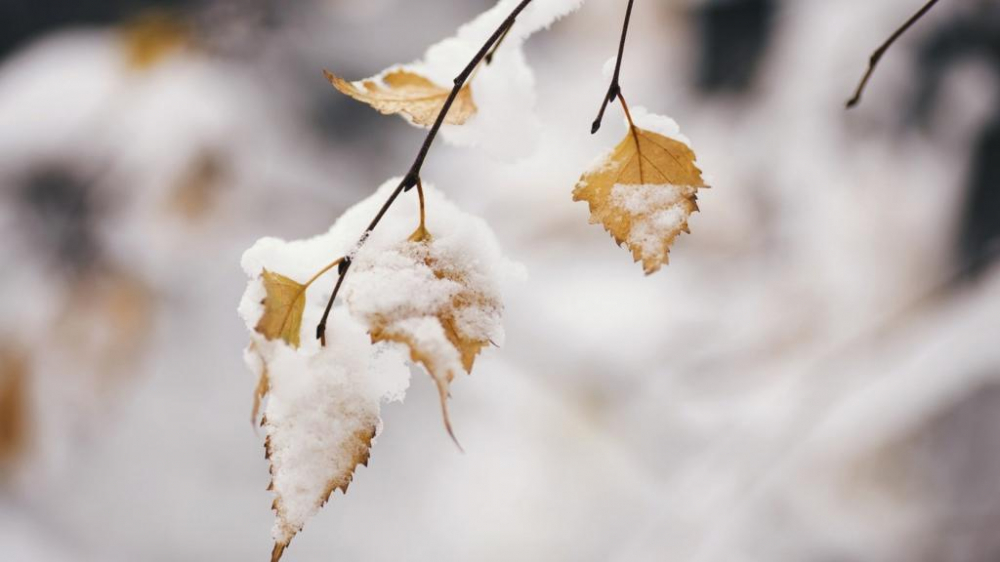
13, 403
357, 449
283, 306
643, 193
410, 94
436, 340
152, 37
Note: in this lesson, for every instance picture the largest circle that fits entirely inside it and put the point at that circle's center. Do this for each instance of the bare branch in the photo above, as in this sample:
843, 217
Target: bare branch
412, 177
877, 55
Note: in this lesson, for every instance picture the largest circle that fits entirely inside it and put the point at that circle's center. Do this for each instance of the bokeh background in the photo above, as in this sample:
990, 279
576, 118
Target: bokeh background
815, 377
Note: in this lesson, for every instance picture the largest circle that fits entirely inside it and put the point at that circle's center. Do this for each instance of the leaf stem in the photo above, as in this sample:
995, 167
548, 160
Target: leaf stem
412, 177
320, 273
614, 90
420, 234
877, 55
628, 114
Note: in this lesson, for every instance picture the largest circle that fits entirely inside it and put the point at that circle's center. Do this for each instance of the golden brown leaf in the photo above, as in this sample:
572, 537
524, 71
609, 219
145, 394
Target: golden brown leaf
643, 194
435, 341
410, 94
353, 451
13, 404
153, 36
283, 307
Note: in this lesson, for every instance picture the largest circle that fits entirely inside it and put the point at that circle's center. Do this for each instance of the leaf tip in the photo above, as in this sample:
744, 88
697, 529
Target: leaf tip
278, 551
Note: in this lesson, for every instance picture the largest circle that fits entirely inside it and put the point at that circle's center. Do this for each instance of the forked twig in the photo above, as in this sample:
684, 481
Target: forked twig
412, 176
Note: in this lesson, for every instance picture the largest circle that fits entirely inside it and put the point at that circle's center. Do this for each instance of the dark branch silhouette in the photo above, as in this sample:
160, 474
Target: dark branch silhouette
877, 55
412, 177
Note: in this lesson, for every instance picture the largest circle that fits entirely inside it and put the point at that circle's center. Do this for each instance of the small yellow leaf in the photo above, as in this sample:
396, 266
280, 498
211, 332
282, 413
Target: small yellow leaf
643, 193
410, 94
283, 306
152, 37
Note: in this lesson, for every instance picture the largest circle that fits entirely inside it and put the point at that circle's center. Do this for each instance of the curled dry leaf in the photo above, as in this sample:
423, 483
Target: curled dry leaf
263, 381
410, 94
643, 193
283, 307
450, 313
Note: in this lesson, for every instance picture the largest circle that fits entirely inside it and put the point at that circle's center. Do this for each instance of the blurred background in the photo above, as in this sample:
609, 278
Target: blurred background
815, 376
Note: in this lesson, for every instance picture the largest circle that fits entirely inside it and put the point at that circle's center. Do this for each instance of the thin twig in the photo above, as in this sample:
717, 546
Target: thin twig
877, 55
614, 88
413, 175
488, 59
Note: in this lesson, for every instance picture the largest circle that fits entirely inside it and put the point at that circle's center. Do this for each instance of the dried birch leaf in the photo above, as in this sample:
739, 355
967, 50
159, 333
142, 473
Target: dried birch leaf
643, 193
446, 326
317, 435
283, 307
408, 93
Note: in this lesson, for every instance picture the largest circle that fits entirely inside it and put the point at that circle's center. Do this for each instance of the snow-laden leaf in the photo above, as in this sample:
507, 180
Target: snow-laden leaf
320, 423
283, 306
439, 292
644, 190
502, 121
410, 94
452, 312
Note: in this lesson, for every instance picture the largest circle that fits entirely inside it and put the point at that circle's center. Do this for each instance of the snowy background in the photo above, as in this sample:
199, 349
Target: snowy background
814, 377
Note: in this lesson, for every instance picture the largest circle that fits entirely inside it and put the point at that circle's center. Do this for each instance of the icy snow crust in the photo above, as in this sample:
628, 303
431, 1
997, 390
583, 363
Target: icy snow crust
323, 398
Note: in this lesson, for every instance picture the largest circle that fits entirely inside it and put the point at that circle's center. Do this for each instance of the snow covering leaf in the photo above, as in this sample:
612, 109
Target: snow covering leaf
320, 424
408, 93
502, 122
283, 306
643, 192
438, 295
447, 329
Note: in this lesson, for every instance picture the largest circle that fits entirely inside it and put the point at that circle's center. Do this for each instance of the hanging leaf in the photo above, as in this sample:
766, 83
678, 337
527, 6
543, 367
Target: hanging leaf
283, 307
450, 313
410, 94
319, 431
643, 193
